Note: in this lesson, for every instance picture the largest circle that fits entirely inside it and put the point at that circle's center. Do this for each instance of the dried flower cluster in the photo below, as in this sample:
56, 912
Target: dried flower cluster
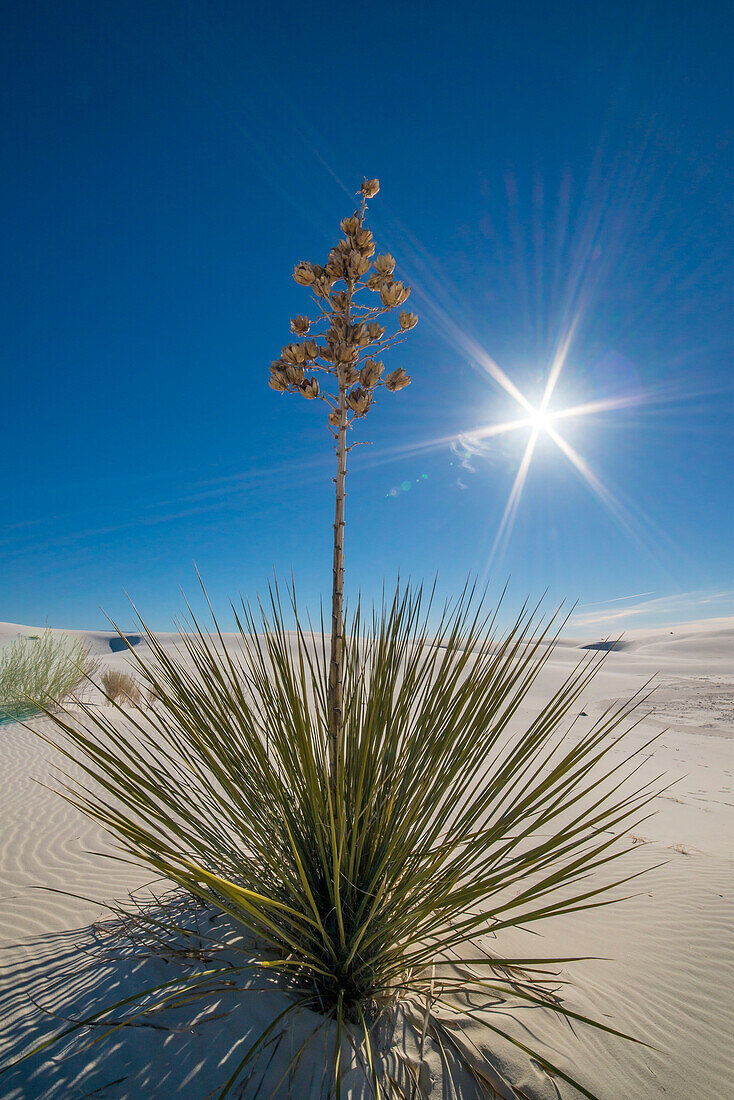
345, 344
347, 338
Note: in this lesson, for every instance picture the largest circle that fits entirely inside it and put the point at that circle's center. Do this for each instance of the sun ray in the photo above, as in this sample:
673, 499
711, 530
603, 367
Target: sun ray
508, 518
558, 363
598, 488
390, 454
475, 352
500, 429
605, 404
492, 368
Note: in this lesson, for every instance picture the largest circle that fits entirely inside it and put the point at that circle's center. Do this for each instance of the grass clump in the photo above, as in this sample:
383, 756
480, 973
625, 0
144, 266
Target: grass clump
119, 685
37, 671
450, 818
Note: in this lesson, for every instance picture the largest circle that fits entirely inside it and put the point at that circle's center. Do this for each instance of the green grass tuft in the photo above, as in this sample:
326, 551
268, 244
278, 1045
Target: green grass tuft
40, 671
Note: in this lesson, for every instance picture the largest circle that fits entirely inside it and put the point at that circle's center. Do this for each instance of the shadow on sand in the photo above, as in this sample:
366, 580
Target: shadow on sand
180, 1050
189, 1049
192, 1046
606, 647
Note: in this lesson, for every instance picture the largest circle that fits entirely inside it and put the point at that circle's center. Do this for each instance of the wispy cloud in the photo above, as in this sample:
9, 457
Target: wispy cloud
680, 607
619, 599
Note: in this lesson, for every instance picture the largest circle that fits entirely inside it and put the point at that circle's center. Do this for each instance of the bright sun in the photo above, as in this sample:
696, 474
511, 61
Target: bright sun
543, 422
540, 419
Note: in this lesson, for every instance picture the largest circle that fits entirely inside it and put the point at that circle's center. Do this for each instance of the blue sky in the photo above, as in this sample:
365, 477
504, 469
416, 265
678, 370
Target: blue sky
545, 167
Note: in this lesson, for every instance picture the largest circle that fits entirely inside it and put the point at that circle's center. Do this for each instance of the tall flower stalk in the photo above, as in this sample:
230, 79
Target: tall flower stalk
342, 345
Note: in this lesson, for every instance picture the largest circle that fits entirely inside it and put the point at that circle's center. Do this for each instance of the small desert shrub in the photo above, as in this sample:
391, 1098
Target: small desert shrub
452, 817
37, 672
119, 685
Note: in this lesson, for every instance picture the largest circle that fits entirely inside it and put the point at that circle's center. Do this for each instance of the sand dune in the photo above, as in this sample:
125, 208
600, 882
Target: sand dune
670, 949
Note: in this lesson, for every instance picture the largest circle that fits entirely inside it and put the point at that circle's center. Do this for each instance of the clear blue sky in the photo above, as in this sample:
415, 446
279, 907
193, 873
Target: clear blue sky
166, 164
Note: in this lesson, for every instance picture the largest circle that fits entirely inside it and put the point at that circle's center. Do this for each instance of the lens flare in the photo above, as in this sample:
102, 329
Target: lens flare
541, 421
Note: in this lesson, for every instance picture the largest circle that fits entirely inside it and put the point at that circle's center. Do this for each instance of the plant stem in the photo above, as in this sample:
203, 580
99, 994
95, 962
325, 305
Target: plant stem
336, 666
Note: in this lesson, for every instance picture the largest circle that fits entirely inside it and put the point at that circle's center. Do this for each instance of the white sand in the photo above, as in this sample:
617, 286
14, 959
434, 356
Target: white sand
669, 978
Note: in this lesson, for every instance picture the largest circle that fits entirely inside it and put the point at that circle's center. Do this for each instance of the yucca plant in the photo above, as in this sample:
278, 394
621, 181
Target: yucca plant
450, 821
369, 803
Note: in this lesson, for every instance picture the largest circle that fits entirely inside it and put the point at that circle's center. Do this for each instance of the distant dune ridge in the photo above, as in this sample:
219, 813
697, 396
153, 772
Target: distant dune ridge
670, 949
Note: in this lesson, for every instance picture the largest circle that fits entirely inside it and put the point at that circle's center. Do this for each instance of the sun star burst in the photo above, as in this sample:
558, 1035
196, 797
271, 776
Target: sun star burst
541, 421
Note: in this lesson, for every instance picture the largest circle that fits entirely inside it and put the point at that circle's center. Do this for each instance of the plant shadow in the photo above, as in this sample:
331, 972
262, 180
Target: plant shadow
193, 1045
189, 1047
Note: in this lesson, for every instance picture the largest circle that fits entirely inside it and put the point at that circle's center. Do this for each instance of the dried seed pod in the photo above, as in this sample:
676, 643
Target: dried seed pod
322, 285
349, 226
370, 188
359, 401
344, 353
376, 282
294, 374
335, 264
375, 331
408, 321
397, 380
303, 273
351, 264
310, 388
358, 335
351, 374
364, 242
278, 379
311, 349
339, 300
394, 294
334, 418
357, 265
294, 353
370, 373
385, 264
300, 325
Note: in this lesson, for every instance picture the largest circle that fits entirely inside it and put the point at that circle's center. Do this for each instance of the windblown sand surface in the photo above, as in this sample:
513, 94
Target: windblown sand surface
666, 972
